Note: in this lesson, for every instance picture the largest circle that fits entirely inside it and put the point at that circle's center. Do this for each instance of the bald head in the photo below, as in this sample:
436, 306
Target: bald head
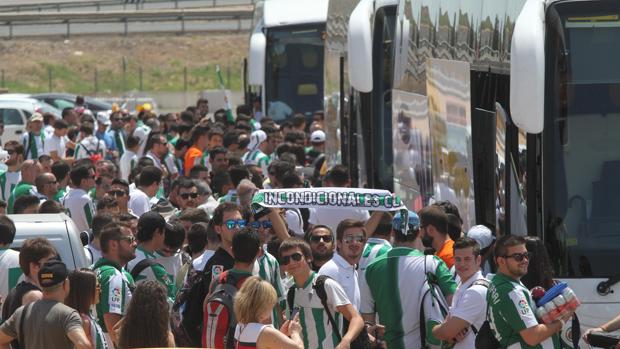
30, 170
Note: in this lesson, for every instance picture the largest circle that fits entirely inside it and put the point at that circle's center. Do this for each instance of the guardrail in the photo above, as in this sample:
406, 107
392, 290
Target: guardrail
102, 5
44, 20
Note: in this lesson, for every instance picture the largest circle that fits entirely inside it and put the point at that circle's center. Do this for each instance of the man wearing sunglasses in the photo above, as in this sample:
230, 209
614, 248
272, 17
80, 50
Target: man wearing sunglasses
118, 247
120, 191
226, 221
321, 240
12, 175
350, 240
295, 257
511, 307
188, 195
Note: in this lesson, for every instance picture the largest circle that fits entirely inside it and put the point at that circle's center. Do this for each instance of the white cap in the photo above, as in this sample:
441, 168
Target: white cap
256, 138
482, 235
103, 118
36, 116
317, 136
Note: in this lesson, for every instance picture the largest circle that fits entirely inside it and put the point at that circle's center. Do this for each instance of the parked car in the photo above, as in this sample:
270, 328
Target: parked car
15, 113
59, 229
66, 100
42, 107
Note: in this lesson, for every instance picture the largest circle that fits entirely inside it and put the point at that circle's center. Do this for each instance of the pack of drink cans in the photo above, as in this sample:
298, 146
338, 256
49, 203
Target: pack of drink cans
557, 304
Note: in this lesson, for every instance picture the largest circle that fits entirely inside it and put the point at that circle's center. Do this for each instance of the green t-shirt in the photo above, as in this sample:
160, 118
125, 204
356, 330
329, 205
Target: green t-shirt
21, 189
115, 284
511, 310
154, 272
61, 192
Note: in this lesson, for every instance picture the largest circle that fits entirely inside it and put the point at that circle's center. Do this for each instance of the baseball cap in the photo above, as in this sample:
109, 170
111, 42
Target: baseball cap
482, 235
256, 138
52, 273
317, 136
151, 220
36, 116
413, 225
103, 118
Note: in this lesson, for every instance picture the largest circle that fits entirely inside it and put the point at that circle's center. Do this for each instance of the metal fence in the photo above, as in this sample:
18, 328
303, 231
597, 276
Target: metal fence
120, 79
106, 5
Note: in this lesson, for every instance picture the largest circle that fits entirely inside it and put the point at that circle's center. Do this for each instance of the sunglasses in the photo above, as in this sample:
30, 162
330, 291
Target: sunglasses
357, 238
231, 223
117, 193
264, 224
519, 257
285, 260
130, 238
324, 238
186, 196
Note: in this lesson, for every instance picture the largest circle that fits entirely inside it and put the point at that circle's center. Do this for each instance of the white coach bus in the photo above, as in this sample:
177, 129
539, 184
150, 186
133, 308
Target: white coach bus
508, 108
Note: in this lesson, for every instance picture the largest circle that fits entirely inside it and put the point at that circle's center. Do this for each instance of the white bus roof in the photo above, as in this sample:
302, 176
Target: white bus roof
289, 12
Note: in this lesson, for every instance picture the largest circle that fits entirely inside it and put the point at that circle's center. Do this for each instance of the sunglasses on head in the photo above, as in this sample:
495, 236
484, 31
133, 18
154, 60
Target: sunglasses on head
318, 238
186, 196
519, 257
265, 224
285, 260
231, 223
116, 193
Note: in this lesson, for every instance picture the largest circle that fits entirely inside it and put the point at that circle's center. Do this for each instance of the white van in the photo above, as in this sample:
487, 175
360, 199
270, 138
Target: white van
58, 228
16, 111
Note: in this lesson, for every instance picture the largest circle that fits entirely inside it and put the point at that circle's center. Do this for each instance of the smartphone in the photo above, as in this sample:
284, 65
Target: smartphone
294, 312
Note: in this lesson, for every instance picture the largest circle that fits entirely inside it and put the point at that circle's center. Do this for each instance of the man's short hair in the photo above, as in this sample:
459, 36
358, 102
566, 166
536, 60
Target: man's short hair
50, 206
32, 251
106, 202
121, 182
7, 230
347, 224
100, 220
87, 128
219, 180
79, 173
25, 201
174, 235
218, 214
298, 120
148, 223
18, 147
384, 228
435, 216
61, 124
199, 131
217, 151
194, 215
60, 169
197, 237
295, 242
245, 245
238, 173
506, 241
149, 176
338, 175
194, 173
466, 242
110, 232
132, 142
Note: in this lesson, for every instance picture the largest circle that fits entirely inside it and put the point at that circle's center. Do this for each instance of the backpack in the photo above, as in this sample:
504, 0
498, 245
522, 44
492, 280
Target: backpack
218, 329
192, 280
361, 342
437, 299
141, 265
94, 156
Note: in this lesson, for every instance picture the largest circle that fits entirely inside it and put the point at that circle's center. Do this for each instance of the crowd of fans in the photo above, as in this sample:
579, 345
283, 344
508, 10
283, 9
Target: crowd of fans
174, 242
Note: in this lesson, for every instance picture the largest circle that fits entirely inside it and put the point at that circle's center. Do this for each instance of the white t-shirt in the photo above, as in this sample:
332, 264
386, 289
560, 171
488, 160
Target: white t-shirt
345, 274
172, 264
88, 146
295, 223
127, 162
469, 304
142, 132
138, 202
200, 261
81, 208
92, 253
331, 217
57, 144
10, 272
9, 181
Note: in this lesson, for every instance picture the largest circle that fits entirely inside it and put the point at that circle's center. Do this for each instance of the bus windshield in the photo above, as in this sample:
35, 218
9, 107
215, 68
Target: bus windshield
581, 139
294, 70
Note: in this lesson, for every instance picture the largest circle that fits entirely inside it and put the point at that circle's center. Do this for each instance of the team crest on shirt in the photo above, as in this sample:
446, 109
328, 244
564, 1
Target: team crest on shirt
524, 308
216, 270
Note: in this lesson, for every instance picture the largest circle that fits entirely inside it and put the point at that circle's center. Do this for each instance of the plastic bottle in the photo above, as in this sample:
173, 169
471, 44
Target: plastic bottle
552, 311
543, 315
560, 304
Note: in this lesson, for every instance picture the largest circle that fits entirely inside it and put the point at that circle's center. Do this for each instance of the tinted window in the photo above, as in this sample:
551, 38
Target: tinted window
11, 117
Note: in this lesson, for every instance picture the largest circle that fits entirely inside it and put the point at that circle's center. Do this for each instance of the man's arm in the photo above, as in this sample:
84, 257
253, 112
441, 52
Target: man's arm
450, 328
356, 323
536, 334
279, 227
373, 222
110, 320
79, 339
5, 338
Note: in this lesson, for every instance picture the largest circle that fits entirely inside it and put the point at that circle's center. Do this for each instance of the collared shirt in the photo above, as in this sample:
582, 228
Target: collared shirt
155, 159
469, 303
345, 274
446, 253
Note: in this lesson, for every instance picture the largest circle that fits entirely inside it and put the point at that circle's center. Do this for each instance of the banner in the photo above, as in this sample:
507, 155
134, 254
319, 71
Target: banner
328, 197
229, 113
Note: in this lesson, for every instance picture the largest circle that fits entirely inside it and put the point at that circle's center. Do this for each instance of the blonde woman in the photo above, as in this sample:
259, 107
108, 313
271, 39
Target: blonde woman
253, 305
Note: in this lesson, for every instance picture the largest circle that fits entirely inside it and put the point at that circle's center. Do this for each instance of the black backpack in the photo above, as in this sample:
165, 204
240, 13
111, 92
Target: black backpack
361, 342
141, 265
438, 300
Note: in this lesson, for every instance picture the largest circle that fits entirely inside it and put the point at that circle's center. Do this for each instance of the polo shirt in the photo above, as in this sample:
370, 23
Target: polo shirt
469, 303
345, 274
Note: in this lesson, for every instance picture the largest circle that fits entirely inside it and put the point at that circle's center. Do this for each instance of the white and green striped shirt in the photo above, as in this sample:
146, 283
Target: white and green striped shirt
375, 247
316, 329
267, 268
256, 158
8, 182
81, 208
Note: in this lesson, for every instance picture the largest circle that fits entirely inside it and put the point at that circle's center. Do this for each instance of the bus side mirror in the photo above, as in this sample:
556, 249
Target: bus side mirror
359, 44
256, 65
527, 68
